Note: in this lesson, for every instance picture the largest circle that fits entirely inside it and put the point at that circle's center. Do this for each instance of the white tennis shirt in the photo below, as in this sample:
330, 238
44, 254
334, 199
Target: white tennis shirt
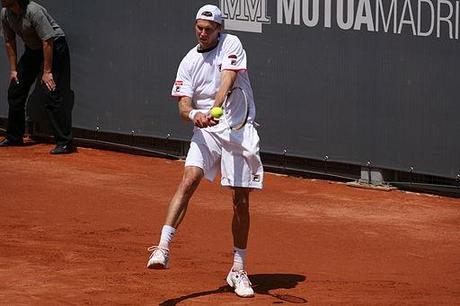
198, 76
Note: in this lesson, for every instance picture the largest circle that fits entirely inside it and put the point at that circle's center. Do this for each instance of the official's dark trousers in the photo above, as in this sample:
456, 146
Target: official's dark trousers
58, 103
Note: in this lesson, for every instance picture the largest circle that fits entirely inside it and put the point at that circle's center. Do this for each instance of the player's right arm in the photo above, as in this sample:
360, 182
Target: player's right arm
185, 107
187, 112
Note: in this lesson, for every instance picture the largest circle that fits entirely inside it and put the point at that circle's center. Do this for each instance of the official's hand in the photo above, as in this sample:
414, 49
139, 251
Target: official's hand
47, 79
14, 76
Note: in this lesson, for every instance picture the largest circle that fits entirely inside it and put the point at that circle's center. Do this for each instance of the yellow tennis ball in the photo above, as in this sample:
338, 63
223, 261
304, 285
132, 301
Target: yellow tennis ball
216, 112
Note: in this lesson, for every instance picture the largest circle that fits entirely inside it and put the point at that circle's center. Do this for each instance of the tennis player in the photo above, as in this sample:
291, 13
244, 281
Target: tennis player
205, 75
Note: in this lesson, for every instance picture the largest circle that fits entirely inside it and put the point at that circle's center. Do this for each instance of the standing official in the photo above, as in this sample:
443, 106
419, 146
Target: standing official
46, 56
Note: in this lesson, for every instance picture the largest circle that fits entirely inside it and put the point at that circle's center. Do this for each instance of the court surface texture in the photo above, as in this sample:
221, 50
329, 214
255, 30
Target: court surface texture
74, 230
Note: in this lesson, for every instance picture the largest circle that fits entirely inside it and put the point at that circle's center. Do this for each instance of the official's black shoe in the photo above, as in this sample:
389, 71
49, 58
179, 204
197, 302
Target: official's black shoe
10, 143
63, 149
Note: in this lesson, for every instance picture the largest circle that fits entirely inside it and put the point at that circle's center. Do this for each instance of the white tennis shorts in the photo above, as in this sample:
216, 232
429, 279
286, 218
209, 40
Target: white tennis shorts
236, 153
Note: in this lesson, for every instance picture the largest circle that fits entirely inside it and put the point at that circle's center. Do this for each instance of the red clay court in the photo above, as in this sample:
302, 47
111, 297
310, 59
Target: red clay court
75, 229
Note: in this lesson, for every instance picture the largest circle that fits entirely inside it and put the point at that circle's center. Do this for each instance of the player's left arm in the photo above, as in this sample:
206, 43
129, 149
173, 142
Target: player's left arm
233, 61
228, 78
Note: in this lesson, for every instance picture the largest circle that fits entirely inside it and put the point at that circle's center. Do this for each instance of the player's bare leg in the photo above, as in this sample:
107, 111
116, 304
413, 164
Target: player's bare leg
179, 203
177, 208
237, 277
241, 218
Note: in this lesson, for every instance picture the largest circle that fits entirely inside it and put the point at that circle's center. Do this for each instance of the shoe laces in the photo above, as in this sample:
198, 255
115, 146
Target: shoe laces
242, 278
157, 248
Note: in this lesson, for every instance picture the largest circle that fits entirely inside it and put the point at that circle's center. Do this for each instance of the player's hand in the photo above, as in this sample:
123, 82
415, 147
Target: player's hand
14, 76
48, 80
212, 121
202, 120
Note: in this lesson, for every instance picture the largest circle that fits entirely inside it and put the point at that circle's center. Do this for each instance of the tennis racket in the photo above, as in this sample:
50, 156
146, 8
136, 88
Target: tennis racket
236, 109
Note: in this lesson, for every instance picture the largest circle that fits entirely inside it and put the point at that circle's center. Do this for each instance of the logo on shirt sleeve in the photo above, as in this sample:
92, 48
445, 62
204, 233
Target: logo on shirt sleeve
232, 58
178, 85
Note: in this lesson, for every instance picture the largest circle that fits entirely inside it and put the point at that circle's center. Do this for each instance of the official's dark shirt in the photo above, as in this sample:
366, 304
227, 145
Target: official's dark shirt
34, 26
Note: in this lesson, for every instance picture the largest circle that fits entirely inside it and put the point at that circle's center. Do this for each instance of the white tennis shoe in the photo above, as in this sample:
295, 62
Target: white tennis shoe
239, 280
159, 259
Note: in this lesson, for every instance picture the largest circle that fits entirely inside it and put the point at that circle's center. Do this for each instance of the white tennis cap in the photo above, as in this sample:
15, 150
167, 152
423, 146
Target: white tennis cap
210, 12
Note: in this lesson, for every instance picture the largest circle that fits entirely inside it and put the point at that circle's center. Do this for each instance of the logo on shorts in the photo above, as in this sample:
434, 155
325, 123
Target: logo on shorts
244, 15
256, 178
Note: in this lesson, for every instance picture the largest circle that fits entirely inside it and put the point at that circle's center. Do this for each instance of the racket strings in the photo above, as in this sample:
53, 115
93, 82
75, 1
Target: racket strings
236, 108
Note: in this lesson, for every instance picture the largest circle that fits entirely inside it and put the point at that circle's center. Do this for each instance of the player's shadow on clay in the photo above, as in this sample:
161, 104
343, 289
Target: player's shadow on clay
261, 283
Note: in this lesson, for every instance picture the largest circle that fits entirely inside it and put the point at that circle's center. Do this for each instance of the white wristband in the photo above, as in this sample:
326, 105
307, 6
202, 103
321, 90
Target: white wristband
192, 114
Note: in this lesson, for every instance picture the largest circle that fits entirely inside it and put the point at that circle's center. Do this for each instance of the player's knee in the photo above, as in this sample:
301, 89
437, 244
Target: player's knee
189, 184
241, 200
241, 211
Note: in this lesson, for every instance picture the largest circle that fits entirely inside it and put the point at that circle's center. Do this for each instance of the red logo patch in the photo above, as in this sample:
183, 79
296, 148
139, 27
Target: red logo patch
179, 83
232, 56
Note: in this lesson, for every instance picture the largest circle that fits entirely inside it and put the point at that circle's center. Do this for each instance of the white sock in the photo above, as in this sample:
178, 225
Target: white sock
167, 234
239, 256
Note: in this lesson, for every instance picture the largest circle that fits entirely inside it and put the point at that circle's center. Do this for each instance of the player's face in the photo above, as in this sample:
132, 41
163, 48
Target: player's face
207, 33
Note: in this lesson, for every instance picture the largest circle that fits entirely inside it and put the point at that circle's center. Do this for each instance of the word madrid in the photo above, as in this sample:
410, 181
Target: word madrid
438, 18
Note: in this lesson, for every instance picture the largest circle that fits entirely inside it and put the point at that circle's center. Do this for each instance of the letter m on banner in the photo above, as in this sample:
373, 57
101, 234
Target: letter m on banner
244, 15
